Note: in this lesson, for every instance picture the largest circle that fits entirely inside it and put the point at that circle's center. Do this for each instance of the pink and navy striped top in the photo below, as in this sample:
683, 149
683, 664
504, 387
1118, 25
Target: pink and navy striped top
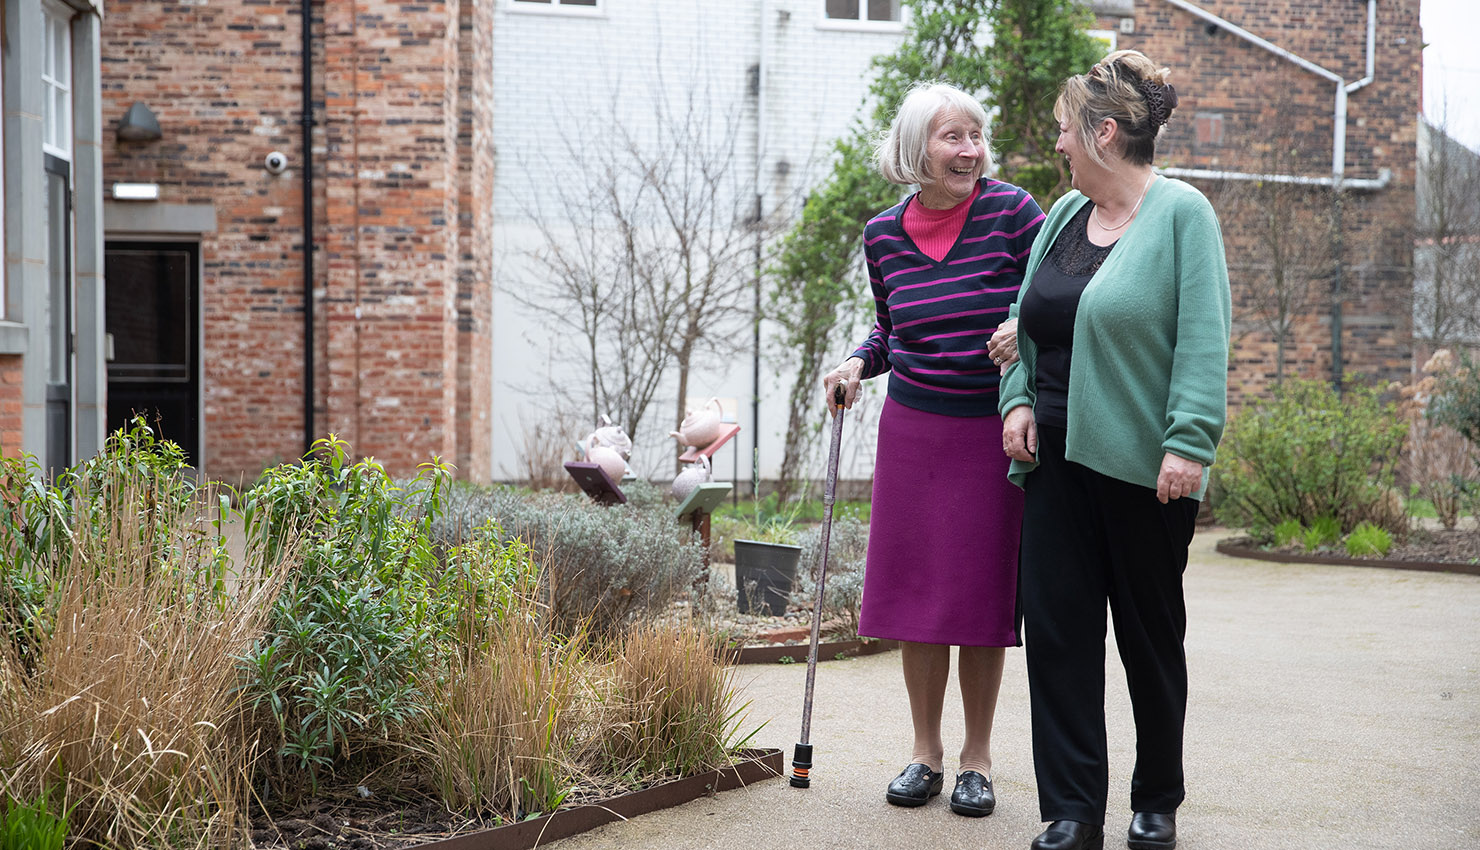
934, 317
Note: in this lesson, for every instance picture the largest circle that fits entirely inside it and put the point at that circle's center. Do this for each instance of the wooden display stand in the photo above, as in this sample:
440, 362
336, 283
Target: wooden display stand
692, 454
595, 482
699, 506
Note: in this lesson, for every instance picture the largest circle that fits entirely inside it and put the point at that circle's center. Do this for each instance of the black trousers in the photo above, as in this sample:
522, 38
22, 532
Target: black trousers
1089, 539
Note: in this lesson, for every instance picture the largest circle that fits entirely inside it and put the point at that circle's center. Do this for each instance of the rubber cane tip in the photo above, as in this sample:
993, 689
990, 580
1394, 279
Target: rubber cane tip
799, 782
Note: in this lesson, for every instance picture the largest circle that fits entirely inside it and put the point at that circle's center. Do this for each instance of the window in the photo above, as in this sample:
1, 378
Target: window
876, 11
56, 79
570, 7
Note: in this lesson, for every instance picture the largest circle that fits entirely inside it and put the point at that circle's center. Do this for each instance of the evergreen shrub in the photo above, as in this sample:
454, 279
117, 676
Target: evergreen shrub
1308, 454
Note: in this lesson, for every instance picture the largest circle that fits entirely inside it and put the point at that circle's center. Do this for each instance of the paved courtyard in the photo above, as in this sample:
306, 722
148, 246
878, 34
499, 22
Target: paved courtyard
1331, 707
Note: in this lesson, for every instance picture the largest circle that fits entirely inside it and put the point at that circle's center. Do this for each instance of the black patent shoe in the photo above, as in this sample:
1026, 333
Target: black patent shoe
1152, 831
1070, 835
915, 785
973, 796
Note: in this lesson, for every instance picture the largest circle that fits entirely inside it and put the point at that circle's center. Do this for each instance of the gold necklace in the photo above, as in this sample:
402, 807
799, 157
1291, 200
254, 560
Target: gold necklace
1101, 222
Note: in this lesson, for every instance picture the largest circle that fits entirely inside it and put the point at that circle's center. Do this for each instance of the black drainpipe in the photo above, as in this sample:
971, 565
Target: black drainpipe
306, 123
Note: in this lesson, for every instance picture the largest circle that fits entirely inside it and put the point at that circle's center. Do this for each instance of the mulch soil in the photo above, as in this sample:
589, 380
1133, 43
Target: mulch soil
1443, 546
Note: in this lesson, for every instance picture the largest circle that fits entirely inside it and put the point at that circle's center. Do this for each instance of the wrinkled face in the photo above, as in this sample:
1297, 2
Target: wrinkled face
955, 156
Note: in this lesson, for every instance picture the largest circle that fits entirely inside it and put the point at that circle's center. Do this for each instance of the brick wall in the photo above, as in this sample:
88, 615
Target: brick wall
401, 240
1245, 109
11, 401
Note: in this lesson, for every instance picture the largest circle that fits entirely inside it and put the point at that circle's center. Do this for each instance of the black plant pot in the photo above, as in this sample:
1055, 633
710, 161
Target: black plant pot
771, 567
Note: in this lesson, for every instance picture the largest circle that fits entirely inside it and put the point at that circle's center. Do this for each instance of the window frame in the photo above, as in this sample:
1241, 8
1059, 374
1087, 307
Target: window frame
57, 39
558, 8
861, 24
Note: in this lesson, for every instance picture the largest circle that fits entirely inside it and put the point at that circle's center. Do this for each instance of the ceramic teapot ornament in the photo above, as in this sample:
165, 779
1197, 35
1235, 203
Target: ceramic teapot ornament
700, 427
612, 437
606, 457
689, 480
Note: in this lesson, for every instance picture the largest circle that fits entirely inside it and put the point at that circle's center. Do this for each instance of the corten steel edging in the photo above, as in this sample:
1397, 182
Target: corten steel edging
798, 651
758, 765
1237, 551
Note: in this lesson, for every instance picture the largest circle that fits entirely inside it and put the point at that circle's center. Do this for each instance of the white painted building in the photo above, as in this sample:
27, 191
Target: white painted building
774, 82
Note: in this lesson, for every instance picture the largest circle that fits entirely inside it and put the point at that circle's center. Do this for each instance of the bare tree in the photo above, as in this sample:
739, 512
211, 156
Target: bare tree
645, 257
1287, 261
1446, 293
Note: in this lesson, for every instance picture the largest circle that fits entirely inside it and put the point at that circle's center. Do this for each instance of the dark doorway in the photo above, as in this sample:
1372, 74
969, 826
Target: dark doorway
59, 315
152, 319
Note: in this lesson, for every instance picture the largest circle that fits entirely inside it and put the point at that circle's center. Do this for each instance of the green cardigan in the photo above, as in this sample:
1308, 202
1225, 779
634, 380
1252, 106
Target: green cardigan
1149, 368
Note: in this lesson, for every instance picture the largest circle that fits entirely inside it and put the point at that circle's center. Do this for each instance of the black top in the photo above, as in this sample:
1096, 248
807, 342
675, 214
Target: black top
1048, 310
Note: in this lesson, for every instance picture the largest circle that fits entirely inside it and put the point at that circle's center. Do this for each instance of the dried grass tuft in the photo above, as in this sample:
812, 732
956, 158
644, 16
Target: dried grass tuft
122, 709
673, 709
501, 721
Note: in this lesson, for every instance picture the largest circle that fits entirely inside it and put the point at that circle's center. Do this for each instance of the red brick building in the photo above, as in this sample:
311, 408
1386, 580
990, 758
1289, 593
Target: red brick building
246, 345
206, 284
1256, 131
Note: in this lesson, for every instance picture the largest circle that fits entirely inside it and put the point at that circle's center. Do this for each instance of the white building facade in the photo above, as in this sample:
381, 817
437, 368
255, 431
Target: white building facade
761, 89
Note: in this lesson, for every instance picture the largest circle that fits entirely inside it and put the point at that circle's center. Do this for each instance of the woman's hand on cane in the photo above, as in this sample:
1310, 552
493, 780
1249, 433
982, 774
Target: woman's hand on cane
849, 376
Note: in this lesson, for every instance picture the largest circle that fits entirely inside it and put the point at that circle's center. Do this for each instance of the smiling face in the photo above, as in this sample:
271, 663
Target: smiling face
1070, 148
1085, 171
955, 157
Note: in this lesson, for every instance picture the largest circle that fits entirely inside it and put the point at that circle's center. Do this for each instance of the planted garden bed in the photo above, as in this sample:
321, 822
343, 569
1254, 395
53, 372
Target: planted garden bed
1433, 550
358, 824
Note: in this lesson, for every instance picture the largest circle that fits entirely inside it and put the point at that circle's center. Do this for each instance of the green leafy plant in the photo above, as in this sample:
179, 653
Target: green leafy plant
1308, 454
32, 826
1286, 532
1456, 400
338, 672
1368, 539
1323, 531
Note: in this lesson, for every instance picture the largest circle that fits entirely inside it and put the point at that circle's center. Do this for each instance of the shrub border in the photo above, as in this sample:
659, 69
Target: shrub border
756, 765
1231, 547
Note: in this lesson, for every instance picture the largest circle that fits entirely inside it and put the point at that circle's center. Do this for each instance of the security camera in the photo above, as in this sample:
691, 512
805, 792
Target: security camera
276, 162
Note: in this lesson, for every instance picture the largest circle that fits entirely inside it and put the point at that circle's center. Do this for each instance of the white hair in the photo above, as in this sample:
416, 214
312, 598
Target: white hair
901, 153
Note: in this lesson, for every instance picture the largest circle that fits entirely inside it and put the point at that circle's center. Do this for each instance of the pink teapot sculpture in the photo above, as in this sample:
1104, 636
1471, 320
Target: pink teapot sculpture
689, 480
701, 427
608, 447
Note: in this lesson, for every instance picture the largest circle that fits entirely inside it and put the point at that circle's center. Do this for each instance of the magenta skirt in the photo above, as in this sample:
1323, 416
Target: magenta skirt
943, 532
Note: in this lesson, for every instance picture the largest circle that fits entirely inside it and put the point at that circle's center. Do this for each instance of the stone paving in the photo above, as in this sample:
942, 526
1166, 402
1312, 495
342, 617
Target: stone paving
1331, 707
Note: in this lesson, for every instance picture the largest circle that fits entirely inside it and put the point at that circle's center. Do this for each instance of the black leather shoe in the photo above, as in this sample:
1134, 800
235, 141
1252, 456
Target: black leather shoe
973, 796
1070, 835
915, 785
1152, 831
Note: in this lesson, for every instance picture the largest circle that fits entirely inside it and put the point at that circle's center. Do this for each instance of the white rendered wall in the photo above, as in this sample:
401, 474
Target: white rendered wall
558, 79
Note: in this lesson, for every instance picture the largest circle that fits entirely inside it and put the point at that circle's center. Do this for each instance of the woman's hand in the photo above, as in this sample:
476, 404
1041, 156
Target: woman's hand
850, 376
1003, 345
1179, 477
1020, 434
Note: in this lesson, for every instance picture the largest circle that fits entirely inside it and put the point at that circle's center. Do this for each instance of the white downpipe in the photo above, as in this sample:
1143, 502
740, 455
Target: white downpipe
1361, 184
1338, 140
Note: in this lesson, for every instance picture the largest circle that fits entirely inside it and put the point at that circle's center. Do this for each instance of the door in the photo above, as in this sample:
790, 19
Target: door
59, 315
152, 320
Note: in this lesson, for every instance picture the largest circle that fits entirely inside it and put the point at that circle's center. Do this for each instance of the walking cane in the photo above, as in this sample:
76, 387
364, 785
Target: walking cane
801, 760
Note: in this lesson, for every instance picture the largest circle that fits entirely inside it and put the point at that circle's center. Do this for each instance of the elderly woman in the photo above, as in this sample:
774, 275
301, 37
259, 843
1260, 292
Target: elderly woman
945, 266
1112, 417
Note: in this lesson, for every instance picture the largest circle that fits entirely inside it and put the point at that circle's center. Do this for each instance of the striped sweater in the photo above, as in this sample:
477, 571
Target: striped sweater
933, 319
